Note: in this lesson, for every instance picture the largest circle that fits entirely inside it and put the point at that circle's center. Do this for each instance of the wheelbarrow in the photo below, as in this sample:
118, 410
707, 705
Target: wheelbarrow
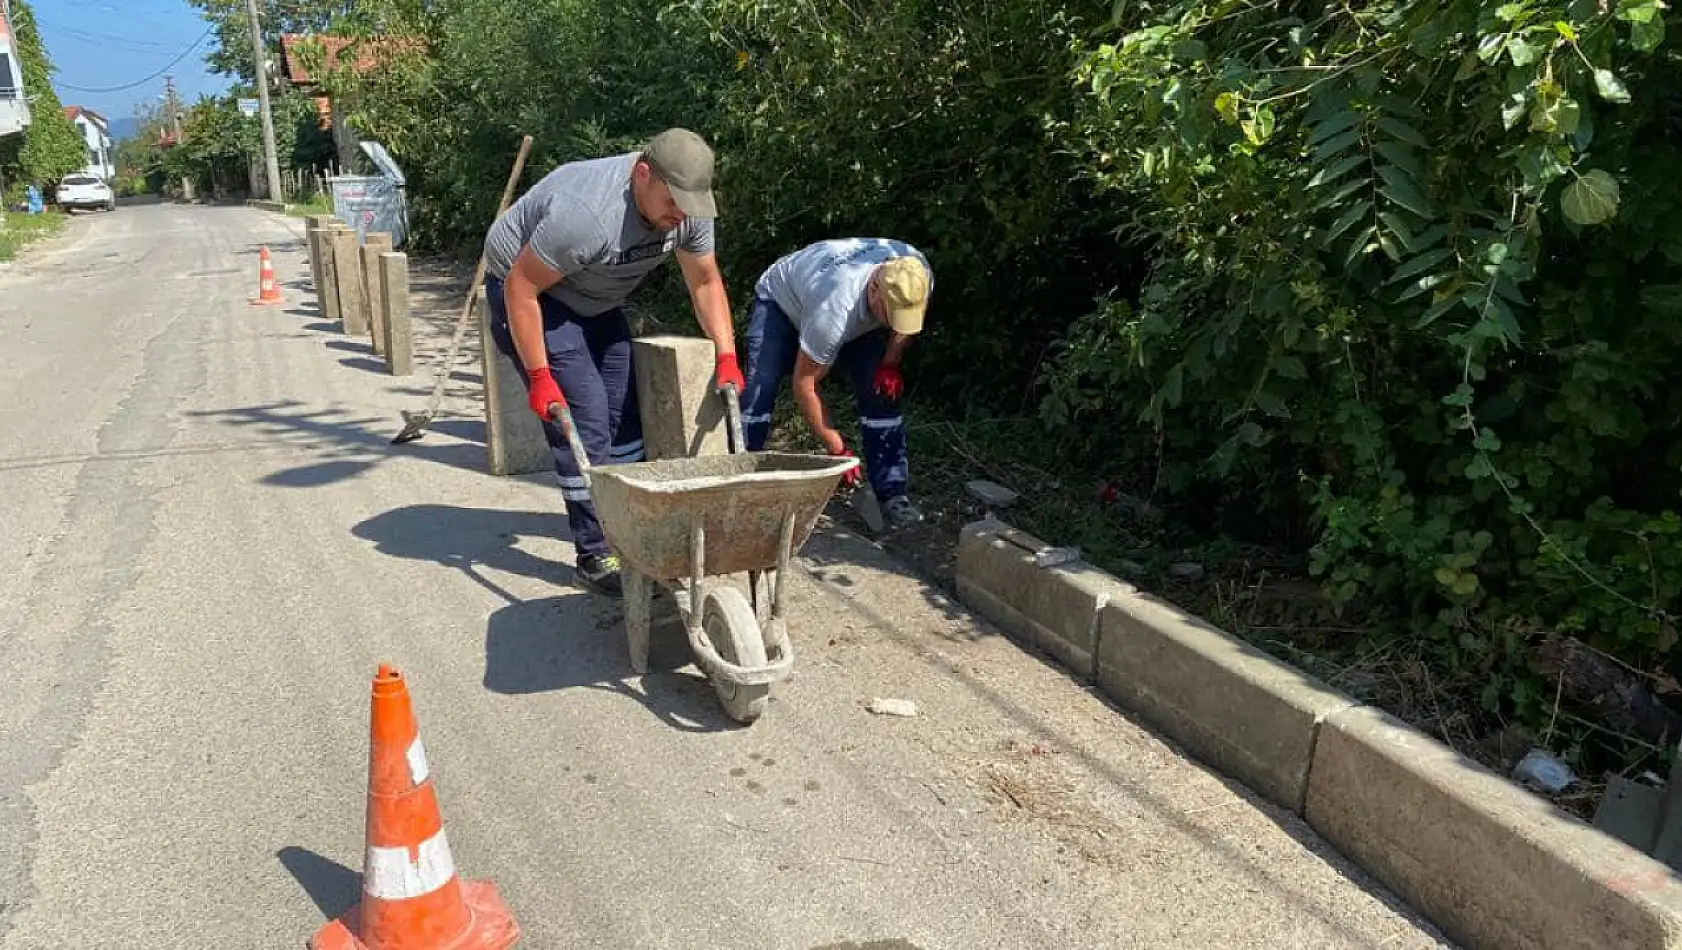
683, 523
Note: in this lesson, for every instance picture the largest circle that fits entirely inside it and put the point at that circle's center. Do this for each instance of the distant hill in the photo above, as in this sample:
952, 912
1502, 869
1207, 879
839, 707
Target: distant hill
126, 128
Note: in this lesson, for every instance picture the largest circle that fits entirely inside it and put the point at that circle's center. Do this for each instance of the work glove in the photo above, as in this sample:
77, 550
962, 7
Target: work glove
543, 393
729, 374
855, 474
887, 382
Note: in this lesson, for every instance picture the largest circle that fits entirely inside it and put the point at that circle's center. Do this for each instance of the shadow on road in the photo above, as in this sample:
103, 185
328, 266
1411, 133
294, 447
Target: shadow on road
364, 363
334, 887
569, 641
469, 539
295, 244
344, 444
538, 646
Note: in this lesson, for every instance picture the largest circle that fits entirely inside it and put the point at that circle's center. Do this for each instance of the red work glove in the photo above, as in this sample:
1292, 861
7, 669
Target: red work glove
887, 383
729, 374
855, 474
543, 393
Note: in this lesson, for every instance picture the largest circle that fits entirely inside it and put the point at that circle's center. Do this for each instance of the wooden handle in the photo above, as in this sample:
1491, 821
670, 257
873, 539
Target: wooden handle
514, 176
507, 196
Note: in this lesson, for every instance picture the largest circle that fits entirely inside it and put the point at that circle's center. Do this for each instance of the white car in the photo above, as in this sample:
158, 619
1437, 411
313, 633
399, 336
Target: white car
85, 191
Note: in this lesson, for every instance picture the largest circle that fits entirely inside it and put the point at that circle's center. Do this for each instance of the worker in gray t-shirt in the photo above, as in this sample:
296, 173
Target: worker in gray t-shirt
852, 302
559, 265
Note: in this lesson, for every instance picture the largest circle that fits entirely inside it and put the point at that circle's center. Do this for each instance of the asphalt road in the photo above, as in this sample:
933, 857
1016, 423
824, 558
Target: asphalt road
209, 546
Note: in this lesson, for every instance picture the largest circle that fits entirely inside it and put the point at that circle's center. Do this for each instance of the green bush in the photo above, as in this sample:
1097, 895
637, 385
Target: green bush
1414, 266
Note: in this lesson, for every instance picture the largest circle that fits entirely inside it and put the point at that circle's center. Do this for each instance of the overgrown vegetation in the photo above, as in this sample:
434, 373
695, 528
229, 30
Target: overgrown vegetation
1384, 289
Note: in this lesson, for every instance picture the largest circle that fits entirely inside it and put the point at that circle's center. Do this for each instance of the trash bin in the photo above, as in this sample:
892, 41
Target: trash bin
373, 203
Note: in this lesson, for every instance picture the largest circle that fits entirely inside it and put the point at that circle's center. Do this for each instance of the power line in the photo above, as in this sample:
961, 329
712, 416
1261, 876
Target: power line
52, 26
141, 82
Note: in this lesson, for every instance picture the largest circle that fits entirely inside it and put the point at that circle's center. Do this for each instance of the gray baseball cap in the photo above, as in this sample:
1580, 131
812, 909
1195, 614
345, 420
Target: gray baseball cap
685, 162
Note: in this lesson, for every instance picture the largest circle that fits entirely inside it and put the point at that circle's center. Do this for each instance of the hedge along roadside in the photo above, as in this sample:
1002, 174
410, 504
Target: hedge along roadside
1394, 283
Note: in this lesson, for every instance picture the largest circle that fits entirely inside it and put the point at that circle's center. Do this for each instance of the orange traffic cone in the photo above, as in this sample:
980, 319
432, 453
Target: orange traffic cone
268, 292
411, 896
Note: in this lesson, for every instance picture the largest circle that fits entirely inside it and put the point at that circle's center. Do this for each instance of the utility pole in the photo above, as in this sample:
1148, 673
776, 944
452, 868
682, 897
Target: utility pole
270, 159
171, 117
172, 105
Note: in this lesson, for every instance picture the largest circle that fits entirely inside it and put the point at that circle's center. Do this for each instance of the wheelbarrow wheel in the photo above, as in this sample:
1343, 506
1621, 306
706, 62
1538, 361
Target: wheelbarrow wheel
728, 620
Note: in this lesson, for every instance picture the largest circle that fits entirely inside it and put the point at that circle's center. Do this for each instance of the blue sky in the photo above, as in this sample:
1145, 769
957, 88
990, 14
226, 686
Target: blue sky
103, 44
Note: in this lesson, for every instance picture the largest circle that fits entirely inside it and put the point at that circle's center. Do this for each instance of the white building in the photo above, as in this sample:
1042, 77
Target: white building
96, 136
14, 108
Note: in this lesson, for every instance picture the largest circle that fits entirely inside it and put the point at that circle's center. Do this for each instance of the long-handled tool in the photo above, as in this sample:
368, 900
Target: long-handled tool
415, 423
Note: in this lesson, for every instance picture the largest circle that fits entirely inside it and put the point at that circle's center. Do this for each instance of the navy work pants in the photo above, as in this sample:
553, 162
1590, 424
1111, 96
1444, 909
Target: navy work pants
590, 359
773, 343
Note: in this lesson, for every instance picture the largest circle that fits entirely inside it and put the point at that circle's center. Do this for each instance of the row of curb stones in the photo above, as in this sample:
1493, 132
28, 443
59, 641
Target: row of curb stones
1493, 866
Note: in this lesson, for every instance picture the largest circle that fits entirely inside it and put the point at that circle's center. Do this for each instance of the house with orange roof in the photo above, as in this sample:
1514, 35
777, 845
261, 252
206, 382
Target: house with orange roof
368, 53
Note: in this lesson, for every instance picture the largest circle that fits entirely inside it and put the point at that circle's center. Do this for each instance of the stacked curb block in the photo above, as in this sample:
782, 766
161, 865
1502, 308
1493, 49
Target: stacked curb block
1495, 867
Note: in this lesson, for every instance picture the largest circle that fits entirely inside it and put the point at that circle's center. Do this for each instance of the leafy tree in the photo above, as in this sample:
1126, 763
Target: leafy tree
50, 147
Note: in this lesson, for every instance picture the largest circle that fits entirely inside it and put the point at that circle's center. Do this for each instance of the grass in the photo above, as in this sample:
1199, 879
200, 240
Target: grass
317, 204
18, 231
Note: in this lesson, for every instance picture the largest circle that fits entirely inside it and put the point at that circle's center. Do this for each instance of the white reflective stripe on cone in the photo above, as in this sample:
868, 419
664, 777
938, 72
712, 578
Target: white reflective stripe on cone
417, 761
390, 875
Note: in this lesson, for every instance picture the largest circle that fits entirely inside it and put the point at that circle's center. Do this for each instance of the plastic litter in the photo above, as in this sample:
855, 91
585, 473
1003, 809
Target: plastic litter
1543, 771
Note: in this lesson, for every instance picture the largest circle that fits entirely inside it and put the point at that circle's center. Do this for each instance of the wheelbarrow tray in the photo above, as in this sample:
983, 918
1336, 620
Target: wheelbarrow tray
648, 510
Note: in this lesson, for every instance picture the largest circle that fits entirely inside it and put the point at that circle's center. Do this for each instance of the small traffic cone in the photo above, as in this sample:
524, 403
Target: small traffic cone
268, 292
412, 898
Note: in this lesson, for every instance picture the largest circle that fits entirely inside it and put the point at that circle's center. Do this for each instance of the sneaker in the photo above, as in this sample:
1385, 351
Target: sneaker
901, 511
600, 572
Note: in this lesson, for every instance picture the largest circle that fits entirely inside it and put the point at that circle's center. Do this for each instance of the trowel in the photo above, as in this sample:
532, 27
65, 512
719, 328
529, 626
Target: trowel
864, 502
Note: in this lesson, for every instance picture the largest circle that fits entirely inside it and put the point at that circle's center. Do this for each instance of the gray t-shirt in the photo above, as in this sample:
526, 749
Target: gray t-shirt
582, 221
821, 288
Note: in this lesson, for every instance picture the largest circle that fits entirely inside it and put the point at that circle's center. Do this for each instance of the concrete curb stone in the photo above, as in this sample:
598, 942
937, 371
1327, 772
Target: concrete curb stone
1059, 606
1491, 864
1241, 710
1494, 866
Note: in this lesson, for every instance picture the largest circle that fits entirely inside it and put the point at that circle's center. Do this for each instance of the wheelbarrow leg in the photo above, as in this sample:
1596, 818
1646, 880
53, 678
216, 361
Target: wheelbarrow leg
639, 596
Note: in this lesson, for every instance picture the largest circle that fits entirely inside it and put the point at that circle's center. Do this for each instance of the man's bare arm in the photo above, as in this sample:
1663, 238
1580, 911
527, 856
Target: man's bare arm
708, 296
526, 279
807, 374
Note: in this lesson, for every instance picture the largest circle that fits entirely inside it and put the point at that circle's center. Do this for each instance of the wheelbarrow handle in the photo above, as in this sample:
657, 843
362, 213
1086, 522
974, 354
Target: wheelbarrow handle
561, 415
733, 413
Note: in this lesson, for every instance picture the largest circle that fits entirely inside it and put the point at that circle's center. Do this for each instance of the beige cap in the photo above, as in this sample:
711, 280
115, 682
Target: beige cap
685, 162
904, 282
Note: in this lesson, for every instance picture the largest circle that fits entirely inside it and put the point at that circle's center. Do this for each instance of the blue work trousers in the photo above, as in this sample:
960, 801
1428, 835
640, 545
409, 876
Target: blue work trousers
590, 359
773, 343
